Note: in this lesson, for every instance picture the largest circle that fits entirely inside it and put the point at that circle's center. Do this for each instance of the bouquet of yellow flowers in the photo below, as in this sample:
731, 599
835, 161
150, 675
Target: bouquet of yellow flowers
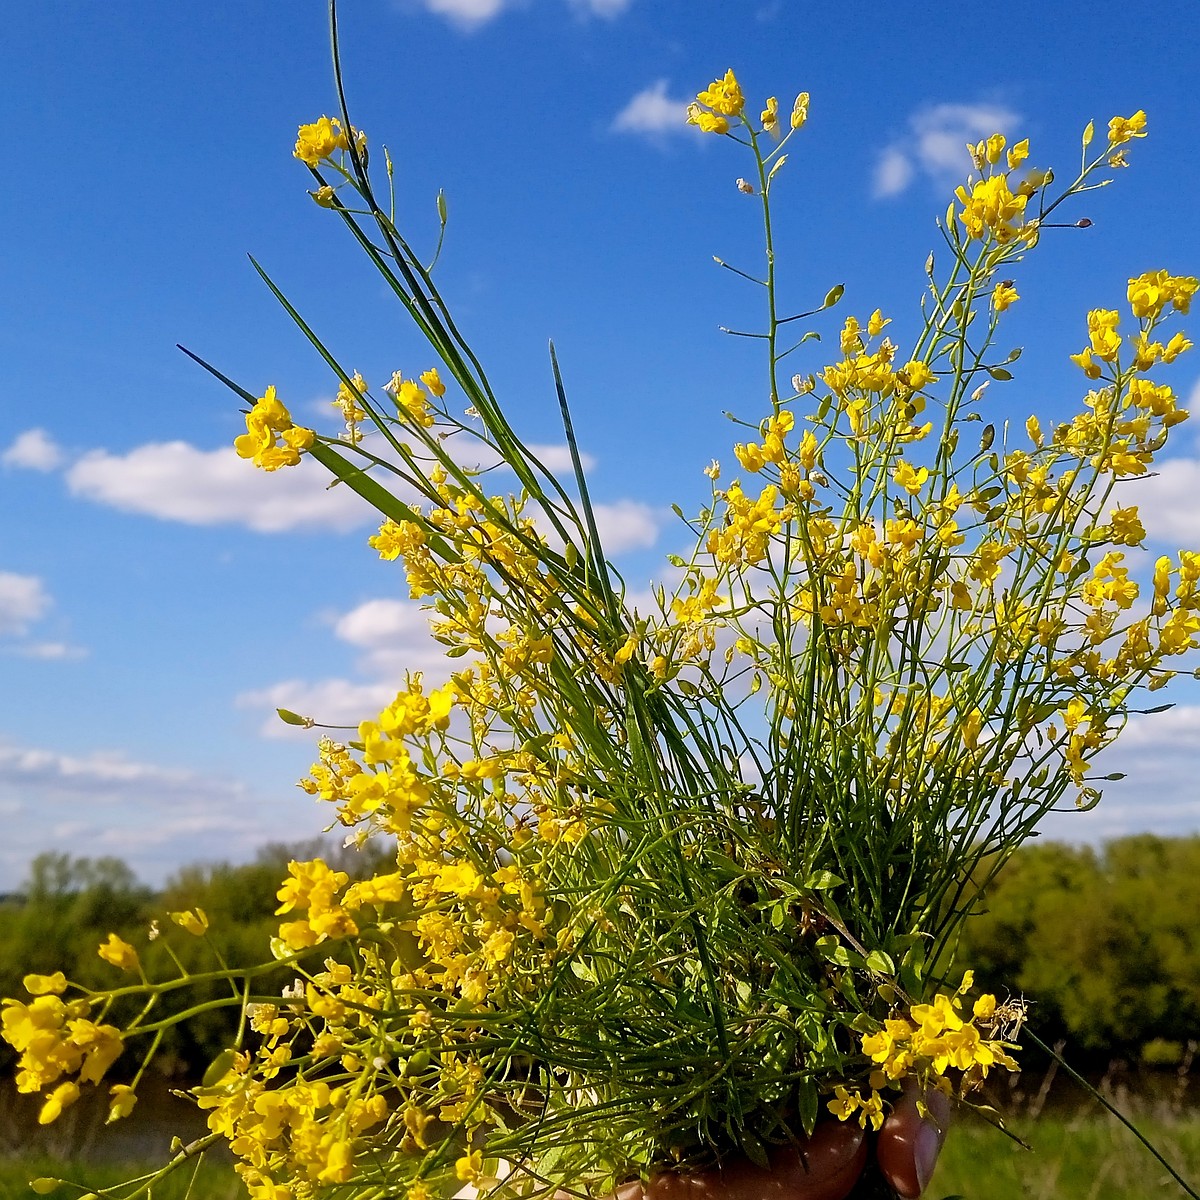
676, 887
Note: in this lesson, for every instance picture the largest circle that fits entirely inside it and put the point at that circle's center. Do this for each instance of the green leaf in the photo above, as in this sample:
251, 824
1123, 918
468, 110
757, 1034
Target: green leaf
999, 373
290, 718
878, 961
807, 1102
754, 1150
375, 494
822, 881
218, 1068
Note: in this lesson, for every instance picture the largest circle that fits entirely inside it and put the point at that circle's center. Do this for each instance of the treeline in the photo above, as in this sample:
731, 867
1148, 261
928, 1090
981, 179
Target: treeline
1104, 942
68, 906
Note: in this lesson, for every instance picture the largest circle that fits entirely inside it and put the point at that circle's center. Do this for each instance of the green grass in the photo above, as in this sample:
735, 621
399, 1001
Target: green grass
213, 1181
1086, 1158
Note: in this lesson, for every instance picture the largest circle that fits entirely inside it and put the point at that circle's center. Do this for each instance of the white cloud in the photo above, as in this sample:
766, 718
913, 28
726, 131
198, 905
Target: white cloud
1160, 756
470, 15
328, 701
600, 8
626, 525
391, 636
893, 172
555, 457
175, 481
35, 450
49, 651
151, 816
653, 112
23, 600
935, 144
467, 15
1167, 502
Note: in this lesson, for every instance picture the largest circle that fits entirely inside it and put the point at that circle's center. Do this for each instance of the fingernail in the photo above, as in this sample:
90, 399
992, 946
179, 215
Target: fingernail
926, 1149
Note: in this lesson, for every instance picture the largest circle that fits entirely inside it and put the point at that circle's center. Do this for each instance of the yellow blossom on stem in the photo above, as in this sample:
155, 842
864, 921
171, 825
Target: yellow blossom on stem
1004, 296
723, 96
1123, 129
271, 440
195, 921
45, 985
319, 140
118, 952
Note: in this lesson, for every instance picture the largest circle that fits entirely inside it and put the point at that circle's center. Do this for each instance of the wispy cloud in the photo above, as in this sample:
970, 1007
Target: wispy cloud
35, 450
23, 600
608, 9
470, 15
935, 145
1166, 501
652, 112
1158, 754
467, 15
47, 651
153, 817
391, 637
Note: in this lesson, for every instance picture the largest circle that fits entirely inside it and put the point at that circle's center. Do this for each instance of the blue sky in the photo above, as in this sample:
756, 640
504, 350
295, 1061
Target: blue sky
159, 598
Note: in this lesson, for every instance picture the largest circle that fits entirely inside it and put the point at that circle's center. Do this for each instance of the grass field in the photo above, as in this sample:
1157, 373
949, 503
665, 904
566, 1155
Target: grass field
1090, 1158
1072, 1159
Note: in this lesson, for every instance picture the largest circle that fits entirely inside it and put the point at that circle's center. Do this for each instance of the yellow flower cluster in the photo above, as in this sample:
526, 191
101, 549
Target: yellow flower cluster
55, 1037
289, 1138
320, 139
929, 1042
723, 98
271, 440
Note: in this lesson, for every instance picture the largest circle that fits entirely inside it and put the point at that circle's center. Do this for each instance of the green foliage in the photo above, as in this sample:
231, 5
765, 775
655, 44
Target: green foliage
1103, 943
67, 906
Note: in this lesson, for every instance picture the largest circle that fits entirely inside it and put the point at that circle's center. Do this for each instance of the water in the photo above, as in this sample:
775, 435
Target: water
81, 1136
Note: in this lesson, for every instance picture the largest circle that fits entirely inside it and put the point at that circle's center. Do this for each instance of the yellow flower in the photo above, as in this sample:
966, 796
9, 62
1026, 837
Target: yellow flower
122, 1102
433, 381
1124, 129
1018, 154
724, 96
45, 985
844, 1103
119, 953
319, 140
800, 110
193, 920
268, 424
469, 1167
707, 122
990, 207
62, 1097
1004, 295
770, 117
911, 479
